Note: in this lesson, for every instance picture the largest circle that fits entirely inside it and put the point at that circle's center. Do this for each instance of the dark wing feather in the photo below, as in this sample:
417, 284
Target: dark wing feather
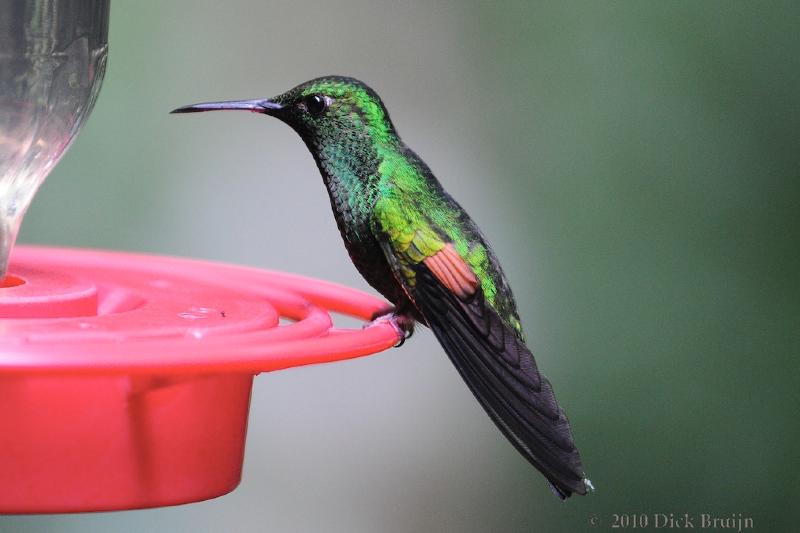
502, 374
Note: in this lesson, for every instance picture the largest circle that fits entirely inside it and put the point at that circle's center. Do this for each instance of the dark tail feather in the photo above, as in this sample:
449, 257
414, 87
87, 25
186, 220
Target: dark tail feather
502, 374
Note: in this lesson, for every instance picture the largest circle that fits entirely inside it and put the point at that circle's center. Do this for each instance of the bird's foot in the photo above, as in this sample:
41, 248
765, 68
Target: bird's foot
402, 323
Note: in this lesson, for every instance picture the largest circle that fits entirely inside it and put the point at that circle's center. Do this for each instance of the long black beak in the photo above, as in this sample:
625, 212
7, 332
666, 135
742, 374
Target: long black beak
254, 106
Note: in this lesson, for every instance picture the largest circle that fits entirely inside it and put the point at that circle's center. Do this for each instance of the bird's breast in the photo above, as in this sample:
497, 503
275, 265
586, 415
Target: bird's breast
353, 213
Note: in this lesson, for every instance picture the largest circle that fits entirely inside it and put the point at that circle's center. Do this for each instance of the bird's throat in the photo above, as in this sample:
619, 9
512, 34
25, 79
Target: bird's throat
351, 178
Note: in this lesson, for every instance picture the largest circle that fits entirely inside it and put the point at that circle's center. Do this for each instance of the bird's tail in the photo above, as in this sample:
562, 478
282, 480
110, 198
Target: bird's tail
502, 374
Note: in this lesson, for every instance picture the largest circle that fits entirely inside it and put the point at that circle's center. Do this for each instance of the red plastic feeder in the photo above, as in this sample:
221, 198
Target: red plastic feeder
125, 379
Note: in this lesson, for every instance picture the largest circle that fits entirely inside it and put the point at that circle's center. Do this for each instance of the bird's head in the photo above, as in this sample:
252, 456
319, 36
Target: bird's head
326, 110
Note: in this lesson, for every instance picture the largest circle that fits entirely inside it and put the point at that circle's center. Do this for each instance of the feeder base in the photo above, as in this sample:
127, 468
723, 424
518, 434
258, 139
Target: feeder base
125, 379
75, 444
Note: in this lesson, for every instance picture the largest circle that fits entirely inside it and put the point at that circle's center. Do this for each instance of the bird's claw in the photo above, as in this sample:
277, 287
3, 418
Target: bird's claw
403, 325
404, 336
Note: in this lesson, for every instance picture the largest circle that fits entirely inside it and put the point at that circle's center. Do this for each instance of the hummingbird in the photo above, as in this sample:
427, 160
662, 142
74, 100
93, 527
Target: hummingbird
418, 247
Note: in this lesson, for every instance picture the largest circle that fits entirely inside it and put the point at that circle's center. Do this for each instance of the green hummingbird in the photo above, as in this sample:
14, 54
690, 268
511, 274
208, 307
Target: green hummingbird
417, 246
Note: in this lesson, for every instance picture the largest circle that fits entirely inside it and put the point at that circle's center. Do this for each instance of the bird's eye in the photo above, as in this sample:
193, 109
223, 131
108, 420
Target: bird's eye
315, 103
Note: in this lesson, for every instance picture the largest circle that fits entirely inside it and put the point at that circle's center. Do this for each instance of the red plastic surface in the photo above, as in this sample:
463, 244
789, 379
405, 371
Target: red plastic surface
125, 379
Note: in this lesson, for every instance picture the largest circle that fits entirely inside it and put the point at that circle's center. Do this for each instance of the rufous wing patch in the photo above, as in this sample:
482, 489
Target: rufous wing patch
452, 271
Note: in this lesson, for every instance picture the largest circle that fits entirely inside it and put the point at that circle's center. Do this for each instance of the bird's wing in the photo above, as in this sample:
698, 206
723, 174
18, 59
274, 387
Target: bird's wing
490, 356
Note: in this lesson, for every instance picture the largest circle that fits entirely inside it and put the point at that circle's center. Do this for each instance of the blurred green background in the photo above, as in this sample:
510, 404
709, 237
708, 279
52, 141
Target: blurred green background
635, 165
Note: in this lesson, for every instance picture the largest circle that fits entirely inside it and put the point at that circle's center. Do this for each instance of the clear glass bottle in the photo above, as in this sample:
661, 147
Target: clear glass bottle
52, 62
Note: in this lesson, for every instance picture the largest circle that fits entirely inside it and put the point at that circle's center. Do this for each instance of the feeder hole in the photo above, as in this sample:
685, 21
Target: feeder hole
11, 281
